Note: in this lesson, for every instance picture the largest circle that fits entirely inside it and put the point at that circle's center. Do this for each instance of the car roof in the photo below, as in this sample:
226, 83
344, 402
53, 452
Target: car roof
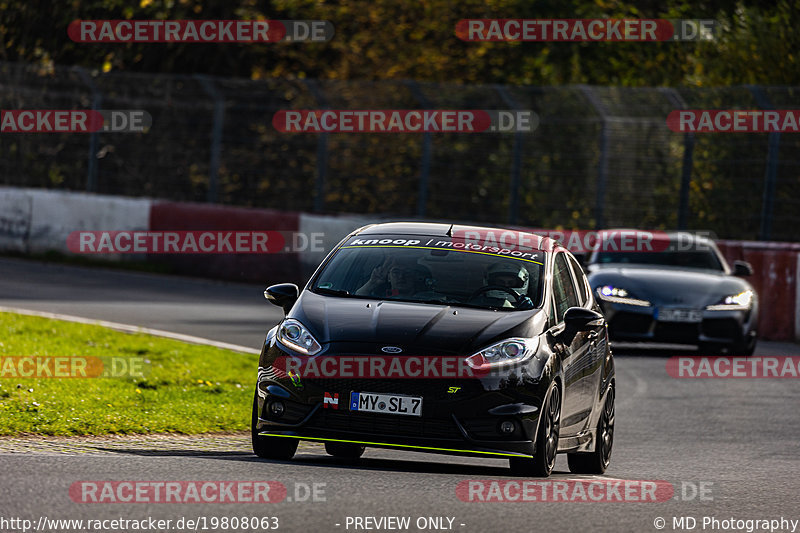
438, 229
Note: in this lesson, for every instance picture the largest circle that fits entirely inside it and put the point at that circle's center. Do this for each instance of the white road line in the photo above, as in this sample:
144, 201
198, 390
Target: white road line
128, 328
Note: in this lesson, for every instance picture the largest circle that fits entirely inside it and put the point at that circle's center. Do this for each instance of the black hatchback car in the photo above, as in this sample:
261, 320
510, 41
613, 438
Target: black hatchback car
440, 338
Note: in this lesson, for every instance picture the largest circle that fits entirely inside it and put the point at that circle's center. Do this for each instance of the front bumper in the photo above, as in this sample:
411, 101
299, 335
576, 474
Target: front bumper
461, 416
430, 445
640, 324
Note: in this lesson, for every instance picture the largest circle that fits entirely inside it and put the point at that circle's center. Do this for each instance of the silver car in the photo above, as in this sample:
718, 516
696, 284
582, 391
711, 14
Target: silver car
678, 289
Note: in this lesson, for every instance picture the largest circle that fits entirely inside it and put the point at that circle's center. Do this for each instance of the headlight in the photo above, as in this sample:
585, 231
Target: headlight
294, 335
736, 302
507, 352
618, 295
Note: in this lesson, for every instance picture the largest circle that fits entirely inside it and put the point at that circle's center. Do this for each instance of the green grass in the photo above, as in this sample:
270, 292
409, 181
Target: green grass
187, 388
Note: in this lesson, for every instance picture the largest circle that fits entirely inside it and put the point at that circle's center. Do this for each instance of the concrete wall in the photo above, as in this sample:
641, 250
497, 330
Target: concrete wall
775, 271
37, 220
264, 268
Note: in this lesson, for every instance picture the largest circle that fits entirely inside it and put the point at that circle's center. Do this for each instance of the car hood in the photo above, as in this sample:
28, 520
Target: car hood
410, 326
669, 286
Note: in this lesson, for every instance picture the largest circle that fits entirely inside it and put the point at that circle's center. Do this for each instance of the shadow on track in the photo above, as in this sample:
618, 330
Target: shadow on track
321, 460
652, 349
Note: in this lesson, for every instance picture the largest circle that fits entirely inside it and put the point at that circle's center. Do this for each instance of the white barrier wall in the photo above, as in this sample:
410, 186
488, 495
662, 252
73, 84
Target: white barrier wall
331, 229
38, 220
15, 219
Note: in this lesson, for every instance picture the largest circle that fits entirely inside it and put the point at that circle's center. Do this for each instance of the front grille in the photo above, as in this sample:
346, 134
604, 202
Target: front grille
677, 332
726, 328
630, 323
383, 425
428, 389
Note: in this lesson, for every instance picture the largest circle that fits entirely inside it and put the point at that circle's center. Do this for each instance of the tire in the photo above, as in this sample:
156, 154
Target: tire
278, 448
596, 462
345, 450
744, 348
544, 458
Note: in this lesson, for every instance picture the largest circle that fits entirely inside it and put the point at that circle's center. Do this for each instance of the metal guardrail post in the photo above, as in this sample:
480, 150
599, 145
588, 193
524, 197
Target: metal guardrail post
771, 173
97, 99
688, 161
516, 159
216, 136
602, 164
322, 148
427, 151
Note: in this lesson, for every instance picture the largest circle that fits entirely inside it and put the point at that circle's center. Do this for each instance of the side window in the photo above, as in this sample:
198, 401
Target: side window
563, 290
583, 286
553, 317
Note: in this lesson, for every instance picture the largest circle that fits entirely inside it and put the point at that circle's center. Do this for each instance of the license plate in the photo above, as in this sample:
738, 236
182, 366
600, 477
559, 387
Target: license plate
391, 404
680, 315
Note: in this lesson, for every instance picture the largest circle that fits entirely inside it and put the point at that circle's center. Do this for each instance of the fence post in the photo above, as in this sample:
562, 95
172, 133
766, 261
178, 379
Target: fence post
425, 161
516, 158
688, 161
771, 173
216, 136
322, 148
602, 165
97, 99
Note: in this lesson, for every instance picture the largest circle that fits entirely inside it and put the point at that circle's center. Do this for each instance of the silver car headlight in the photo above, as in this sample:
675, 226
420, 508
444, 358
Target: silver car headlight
735, 302
294, 335
618, 295
507, 352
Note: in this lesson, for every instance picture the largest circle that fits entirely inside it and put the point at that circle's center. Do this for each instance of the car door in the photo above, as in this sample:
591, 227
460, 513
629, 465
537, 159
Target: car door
593, 359
574, 411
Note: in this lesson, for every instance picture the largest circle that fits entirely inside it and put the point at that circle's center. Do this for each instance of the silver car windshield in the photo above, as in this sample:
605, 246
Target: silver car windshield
700, 259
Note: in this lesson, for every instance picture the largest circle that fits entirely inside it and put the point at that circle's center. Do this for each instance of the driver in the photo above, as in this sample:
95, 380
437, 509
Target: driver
508, 275
398, 278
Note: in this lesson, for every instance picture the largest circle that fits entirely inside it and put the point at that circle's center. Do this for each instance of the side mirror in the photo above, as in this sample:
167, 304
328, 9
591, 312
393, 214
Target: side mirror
742, 268
580, 319
283, 295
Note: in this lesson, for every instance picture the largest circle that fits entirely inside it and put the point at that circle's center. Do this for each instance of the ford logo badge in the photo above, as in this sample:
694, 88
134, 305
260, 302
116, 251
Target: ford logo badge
391, 349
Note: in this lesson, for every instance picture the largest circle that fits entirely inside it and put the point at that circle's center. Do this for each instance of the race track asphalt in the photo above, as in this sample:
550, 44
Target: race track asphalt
739, 438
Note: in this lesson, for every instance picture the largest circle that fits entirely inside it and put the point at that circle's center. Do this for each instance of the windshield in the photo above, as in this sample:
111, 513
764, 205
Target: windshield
433, 270
702, 259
